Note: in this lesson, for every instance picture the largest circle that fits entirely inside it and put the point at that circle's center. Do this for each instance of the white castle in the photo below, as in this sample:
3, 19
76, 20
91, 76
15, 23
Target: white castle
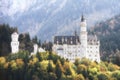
15, 45
72, 47
14, 42
37, 49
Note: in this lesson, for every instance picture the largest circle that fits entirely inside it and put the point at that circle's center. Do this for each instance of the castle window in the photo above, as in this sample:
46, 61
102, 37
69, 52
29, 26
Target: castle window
97, 43
74, 47
68, 47
57, 42
66, 39
89, 55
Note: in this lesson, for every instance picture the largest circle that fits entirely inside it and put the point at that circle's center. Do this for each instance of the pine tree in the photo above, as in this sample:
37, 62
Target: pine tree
59, 70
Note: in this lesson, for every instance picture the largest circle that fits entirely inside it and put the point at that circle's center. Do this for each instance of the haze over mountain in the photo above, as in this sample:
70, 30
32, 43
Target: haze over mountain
108, 33
46, 18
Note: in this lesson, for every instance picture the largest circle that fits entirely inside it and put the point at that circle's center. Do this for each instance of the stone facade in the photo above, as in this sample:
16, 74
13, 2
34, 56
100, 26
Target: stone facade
14, 42
72, 47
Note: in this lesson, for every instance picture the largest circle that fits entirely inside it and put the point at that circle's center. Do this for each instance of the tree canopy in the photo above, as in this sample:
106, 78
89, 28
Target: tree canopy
49, 66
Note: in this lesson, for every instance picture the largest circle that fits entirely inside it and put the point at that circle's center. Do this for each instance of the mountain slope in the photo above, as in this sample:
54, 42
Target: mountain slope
109, 34
46, 18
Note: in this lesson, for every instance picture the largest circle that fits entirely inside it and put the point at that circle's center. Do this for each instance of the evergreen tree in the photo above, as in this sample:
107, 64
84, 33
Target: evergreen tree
59, 70
50, 67
5, 39
25, 42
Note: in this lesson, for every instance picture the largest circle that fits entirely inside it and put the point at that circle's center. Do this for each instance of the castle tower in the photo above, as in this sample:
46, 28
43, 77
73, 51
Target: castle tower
14, 42
35, 48
83, 35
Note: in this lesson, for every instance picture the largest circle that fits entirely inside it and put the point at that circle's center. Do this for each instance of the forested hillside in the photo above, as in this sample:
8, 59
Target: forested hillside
49, 66
26, 43
109, 35
5, 39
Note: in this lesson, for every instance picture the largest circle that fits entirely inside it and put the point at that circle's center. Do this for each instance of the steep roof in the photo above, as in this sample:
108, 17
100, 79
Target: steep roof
72, 40
93, 40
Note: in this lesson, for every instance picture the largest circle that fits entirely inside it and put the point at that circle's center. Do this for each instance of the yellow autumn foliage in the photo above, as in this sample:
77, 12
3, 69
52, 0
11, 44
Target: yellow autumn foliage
33, 61
69, 65
53, 65
116, 67
79, 77
13, 64
6, 65
44, 64
2, 60
19, 63
82, 67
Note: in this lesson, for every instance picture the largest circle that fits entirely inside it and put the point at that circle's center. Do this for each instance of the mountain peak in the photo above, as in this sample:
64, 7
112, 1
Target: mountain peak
39, 17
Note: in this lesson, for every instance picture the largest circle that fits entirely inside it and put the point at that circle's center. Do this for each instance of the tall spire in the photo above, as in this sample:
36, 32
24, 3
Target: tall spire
82, 18
75, 33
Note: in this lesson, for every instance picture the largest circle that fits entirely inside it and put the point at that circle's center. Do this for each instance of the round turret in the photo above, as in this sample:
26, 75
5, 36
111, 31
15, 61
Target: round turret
83, 21
83, 31
15, 42
35, 48
15, 36
83, 34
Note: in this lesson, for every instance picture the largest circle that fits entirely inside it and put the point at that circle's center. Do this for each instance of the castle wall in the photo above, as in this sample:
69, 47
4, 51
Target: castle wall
82, 47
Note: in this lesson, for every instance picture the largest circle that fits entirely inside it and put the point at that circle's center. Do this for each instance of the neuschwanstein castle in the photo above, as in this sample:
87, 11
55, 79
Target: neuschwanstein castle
15, 45
69, 47
72, 47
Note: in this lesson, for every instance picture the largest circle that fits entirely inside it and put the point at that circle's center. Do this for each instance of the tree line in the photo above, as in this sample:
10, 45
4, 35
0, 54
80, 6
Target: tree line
49, 66
26, 42
108, 33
